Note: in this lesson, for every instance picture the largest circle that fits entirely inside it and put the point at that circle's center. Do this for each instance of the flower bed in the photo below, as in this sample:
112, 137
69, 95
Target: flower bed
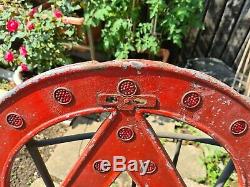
34, 38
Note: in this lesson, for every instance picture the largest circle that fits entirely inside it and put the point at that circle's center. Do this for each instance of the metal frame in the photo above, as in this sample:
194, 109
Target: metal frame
160, 91
34, 144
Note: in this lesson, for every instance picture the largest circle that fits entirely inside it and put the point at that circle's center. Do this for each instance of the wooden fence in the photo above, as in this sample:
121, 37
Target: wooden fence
225, 34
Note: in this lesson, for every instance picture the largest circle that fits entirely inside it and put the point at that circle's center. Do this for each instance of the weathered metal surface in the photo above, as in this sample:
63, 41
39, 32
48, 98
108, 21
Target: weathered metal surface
153, 87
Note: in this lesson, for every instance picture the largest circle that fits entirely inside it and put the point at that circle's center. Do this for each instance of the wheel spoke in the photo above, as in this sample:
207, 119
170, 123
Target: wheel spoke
228, 170
177, 152
83, 171
89, 135
133, 184
63, 139
40, 165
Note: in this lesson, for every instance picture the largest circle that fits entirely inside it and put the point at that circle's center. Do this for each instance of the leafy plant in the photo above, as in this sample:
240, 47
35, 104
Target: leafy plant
5, 85
68, 7
142, 26
215, 160
33, 36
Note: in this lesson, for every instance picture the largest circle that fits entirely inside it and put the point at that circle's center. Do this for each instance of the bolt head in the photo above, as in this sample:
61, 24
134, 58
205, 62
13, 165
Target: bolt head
63, 96
97, 166
127, 87
125, 133
239, 127
15, 120
152, 168
191, 100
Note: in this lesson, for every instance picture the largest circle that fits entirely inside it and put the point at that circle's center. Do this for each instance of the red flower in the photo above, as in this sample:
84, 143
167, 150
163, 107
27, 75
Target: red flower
24, 67
58, 13
32, 12
23, 51
12, 25
30, 26
9, 56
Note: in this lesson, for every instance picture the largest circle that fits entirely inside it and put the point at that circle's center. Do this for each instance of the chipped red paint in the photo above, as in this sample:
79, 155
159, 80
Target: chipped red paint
159, 90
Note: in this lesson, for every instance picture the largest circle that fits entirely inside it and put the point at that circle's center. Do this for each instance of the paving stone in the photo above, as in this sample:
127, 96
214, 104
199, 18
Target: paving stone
39, 183
65, 155
124, 180
189, 164
191, 183
161, 124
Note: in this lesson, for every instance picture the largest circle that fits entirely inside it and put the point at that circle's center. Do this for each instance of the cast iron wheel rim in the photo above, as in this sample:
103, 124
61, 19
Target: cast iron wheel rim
208, 88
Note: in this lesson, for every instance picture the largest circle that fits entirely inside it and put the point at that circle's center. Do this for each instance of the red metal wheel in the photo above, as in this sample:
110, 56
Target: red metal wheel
128, 89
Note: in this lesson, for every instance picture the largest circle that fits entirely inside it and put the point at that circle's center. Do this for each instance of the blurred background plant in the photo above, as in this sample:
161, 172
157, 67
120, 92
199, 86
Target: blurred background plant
142, 26
33, 37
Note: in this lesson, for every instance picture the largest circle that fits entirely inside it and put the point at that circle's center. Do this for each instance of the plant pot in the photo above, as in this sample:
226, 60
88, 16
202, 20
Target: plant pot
72, 20
96, 35
174, 51
162, 55
6, 74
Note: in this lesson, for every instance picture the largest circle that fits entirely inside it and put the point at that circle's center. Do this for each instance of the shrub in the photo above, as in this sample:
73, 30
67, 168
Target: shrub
139, 26
33, 36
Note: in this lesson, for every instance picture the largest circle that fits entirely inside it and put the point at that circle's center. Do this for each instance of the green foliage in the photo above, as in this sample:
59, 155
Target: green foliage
5, 85
67, 6
135, 26
179, 17
44, 43
215, 160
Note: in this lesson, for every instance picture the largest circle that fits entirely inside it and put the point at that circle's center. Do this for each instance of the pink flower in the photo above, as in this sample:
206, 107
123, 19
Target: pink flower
32, 12
9, 56
23, 51
12, 25
24, 67
58, 13
30, 26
